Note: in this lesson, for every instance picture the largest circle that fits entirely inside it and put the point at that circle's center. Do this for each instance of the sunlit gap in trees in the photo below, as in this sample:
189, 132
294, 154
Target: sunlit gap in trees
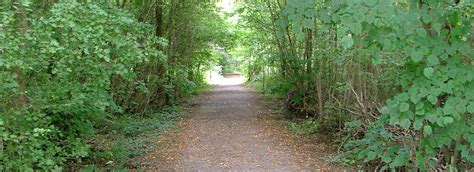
221, 74
228, 7
215, 78
217, 75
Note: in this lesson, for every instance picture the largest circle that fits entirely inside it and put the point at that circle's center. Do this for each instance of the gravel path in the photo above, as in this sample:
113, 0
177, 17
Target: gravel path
230, 128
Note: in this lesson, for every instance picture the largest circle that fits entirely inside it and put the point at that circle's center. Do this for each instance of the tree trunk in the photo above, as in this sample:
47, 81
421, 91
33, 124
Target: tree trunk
161, 67
171, 42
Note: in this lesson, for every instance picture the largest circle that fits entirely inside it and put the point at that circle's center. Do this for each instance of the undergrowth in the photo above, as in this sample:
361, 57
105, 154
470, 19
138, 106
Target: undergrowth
126, 137
276, 91
303, 126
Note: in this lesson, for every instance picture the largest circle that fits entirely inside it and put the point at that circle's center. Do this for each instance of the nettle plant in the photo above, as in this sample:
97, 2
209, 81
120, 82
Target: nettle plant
429, 124
62, 64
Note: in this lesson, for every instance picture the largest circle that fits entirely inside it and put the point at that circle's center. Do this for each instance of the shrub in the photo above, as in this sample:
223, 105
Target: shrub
56, 73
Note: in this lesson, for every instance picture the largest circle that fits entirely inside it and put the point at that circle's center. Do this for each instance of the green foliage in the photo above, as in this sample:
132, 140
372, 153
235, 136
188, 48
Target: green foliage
402, 69
306, 126
430, 114
62, 66
197, 29
347, 42
270, 85
68, 68
393, 79
130, 137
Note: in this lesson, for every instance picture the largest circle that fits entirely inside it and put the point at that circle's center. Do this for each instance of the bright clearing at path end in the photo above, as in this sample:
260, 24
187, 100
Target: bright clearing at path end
214, 78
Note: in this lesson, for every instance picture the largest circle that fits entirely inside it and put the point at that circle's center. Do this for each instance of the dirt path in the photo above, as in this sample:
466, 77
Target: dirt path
230, 128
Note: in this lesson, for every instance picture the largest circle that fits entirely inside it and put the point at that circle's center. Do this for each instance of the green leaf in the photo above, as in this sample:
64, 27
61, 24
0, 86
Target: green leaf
426, 17
295, 17
371, 155
309, 13
296, 28
431, 117
356, 28
414, 95
324, 28
347, 42
280, 33
308, 23
418, 124
448, 109
404, 107
470, 108
432, 60
448, 120
427, 130
282, 23
437, 27
428, 72
440, 122
386, 159
300, 35
400, 160
385, 110
421, 32
402, 97
432, 99
324, 16
420, 160
346, 19
405, 123
370, 17
376, 60
360, 17
461, 107
416, 55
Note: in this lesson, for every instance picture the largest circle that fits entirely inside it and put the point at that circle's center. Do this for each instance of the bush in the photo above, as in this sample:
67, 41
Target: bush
402, 72
56, 78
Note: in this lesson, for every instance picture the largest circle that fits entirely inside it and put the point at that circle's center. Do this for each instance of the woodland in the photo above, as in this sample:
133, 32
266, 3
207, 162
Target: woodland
389, 82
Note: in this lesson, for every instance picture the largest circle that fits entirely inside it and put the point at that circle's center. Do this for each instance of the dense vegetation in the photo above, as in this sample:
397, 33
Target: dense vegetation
72, 72
391, 80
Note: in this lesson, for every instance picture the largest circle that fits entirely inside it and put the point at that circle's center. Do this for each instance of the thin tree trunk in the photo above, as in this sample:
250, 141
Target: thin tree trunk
161, 67
171, 42
283, 53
